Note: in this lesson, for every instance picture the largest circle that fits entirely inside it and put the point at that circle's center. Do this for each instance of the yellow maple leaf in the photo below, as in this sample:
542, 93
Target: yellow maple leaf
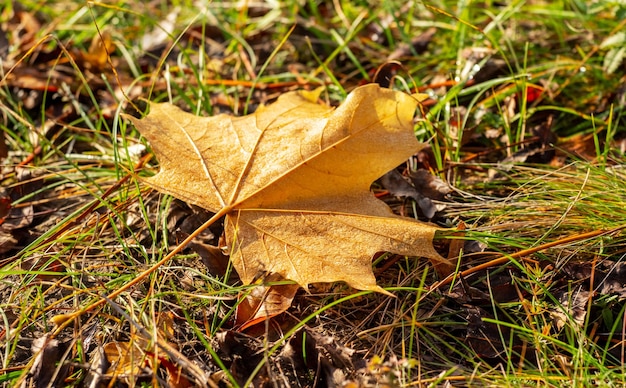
293, 181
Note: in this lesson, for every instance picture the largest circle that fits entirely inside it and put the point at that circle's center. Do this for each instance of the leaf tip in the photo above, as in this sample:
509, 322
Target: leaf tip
312, 95
420, 97
380, 290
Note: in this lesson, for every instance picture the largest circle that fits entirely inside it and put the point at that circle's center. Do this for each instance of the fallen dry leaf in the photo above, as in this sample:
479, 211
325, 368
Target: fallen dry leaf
133, 361
126, 361
293, 181
48, 368
263, 302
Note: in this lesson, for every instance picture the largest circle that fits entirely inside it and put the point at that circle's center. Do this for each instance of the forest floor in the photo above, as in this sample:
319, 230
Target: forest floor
526, 132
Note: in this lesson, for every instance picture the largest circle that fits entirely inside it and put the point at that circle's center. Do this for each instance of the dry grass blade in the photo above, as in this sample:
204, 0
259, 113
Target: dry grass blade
523, 253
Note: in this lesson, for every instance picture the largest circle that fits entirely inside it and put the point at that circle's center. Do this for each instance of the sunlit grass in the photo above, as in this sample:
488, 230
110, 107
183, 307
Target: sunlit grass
223, 57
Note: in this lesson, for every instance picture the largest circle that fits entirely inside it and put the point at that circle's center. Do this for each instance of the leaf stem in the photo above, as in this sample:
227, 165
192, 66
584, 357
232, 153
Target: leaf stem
525, 252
